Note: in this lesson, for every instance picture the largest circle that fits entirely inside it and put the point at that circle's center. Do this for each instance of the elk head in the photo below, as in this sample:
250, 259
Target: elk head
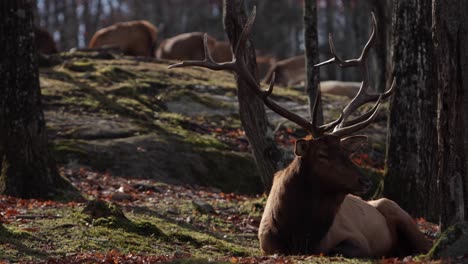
326, 151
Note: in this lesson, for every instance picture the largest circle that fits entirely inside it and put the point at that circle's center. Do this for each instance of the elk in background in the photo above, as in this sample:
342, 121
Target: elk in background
288, 72
134, 38
44, 42
189, 46
310, 208
264, 63
348, 89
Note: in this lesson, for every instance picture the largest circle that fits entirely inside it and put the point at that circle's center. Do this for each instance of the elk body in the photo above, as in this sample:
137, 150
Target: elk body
311, 207
287, 72
189, 46
134, 38
348, 89
44, 41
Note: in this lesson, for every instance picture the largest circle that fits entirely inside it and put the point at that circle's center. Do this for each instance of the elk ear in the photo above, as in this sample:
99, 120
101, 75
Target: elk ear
353, 143
301, 147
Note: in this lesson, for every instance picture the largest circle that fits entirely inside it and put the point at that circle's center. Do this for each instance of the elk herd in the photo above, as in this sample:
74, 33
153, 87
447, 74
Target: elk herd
139, 38
312, 207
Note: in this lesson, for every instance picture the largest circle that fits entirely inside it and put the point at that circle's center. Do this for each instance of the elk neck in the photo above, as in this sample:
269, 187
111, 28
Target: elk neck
304, 210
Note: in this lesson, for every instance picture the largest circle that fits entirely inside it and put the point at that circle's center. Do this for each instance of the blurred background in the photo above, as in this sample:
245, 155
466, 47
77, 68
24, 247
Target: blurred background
278, 30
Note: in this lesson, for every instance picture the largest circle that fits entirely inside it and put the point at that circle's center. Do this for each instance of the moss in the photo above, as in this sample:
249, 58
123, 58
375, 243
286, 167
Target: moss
116, 74
67, 149
80, 65
453, 242
187, 95
231, 172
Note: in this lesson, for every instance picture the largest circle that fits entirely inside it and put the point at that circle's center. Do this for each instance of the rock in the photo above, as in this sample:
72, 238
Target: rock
203, 207
452, 243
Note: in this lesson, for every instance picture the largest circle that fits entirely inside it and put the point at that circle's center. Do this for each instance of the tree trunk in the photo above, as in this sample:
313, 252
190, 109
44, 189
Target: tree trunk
382, 10
312, 55
451, 39
330, 16
252, 113
411, 177
27, 168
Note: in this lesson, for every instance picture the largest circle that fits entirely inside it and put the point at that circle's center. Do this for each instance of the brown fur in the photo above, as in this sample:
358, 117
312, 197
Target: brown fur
222, 51
309, 210
134, 38
263, 64
187, 46
348, 89
44, 41
288, 72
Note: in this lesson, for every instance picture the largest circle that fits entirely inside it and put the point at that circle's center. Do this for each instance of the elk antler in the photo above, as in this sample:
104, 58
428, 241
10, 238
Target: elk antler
238, 65
363, 96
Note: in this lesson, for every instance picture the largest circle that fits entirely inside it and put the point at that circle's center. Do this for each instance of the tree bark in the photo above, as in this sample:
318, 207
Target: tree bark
312, 55
450, 33
27, 168
383, 12
411, 176
252, 113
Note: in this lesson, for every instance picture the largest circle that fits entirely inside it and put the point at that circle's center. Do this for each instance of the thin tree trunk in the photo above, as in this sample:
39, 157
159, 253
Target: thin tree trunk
382, 10
330, 15
312, 55
252, 113
411, 177
451, 39
27, 168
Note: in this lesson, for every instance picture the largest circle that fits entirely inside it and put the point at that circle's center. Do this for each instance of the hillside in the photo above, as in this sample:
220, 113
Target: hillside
167, 147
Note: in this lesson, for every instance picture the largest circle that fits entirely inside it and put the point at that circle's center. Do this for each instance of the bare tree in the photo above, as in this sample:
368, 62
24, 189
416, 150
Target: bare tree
312, 55
450, 35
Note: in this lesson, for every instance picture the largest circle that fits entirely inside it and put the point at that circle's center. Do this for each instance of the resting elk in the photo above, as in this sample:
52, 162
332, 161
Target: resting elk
134, 38
189, 46
311, 207
348, 89
44, 42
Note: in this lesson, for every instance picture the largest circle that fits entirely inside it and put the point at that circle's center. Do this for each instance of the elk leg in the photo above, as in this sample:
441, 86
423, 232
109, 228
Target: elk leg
405, 231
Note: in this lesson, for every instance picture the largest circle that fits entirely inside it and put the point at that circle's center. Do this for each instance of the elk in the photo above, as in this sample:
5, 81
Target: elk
44, 42
189, 46
134, 38
287, 72
348, 89
311, 207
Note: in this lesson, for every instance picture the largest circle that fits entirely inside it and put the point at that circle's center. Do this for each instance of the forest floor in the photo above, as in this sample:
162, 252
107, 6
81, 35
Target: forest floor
168, 148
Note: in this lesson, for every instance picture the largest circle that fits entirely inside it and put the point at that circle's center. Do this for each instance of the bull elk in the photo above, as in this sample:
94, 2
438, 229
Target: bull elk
134, 38
311, 207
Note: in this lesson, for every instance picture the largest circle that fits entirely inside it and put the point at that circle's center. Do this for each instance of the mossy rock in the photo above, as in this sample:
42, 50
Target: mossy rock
96, 209
452, 243
80, 66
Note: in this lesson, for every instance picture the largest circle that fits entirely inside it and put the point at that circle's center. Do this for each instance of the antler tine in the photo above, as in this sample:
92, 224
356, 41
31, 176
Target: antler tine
369, 113
208, 62
343, 131
363, 96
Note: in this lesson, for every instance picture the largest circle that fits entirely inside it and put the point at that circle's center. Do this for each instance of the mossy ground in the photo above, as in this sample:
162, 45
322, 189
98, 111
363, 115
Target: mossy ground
173, 129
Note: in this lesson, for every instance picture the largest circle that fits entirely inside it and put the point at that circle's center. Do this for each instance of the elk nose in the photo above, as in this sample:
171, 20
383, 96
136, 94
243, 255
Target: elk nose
365, 183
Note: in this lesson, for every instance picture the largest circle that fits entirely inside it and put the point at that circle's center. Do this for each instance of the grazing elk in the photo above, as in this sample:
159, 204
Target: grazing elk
134, 38
189, 46
287, 72
44, 42
311, 208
